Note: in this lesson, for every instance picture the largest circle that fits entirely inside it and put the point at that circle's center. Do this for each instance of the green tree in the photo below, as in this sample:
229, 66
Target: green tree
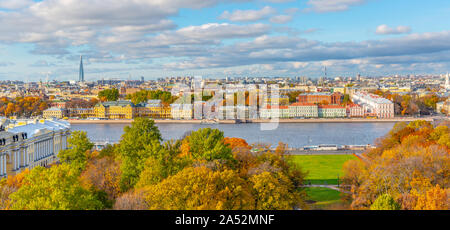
109, 94
385, 202
162, 163
137, 144
79, 144
56, 188
207, 144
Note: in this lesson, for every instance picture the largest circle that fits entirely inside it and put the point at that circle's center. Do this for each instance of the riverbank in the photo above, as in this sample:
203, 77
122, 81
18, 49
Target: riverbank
312, 120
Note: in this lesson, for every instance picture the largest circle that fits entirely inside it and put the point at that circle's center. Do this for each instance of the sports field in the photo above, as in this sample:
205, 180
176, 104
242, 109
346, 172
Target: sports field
322, 169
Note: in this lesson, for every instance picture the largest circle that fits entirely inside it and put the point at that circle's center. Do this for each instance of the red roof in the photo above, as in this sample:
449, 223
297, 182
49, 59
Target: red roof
277, 107
331, 107
302, 104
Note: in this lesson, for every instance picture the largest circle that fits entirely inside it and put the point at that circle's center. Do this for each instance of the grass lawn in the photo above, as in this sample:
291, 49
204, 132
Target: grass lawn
323, 197
323, 169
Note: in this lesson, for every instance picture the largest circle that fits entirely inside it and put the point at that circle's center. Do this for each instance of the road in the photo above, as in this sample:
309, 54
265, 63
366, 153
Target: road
324, 152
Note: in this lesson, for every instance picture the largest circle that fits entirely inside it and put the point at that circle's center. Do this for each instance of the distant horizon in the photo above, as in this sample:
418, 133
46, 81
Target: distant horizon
43, 39
223, 78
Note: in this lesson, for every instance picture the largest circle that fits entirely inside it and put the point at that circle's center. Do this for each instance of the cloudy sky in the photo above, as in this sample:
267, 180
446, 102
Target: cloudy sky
216, 38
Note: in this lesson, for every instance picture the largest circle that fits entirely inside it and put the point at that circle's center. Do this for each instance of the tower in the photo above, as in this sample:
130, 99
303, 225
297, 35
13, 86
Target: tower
81, 74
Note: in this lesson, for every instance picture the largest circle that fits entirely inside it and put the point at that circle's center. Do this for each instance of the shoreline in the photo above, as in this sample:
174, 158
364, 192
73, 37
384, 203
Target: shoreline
313, 120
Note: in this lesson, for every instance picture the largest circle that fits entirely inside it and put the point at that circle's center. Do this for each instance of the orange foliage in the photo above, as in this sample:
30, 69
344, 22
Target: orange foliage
234, 142
17, 180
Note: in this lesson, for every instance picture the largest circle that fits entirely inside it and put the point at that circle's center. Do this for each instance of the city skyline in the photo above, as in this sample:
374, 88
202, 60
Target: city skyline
279, 38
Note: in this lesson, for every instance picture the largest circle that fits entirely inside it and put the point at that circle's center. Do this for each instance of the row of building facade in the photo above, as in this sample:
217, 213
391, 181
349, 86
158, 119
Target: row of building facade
326, 105
30, 143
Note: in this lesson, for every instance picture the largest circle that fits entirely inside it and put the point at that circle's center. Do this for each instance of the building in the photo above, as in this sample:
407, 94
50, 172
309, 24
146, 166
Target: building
227, 112
443, 107
320, 98
374, 105
153, 109
270, 112
181, 111
447, 82
331, 111
81, 112
31, 143
355, 110
115, 110
298, 110
55, 112
81, 73
277, 100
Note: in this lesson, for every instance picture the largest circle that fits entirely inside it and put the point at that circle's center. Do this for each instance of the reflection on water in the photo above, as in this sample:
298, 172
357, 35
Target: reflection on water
294, 134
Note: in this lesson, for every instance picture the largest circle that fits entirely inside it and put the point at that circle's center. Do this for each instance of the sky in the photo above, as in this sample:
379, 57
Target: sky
127, 39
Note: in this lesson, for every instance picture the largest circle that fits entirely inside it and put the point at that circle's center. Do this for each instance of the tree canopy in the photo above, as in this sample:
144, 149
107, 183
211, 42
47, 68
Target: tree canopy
109, 94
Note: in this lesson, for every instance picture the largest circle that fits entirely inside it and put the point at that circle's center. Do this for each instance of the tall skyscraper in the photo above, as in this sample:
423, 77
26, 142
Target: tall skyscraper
81, 75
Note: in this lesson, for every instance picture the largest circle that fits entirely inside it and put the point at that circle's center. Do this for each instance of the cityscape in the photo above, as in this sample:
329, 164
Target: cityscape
244, 108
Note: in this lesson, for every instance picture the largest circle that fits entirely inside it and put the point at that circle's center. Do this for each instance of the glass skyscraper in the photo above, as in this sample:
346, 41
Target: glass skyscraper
81, 75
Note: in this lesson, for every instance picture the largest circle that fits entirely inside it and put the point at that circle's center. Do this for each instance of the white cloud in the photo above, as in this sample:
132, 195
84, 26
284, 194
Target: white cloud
322, 6
248, 15
281, 19
384, 29
15, 4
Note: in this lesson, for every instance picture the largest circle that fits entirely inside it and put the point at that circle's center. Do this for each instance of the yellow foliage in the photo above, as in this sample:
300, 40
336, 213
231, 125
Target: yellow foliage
434, 199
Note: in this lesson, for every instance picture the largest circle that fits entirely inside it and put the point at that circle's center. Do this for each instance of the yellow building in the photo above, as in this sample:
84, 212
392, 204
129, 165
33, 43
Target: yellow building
280, 100
153, 109
115, 110
55, 113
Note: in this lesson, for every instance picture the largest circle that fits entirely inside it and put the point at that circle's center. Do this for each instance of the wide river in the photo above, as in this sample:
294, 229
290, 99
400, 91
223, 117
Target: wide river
294, 134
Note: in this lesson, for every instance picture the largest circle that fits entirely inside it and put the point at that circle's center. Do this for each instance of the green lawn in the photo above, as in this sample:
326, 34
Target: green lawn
323, 197
322, 169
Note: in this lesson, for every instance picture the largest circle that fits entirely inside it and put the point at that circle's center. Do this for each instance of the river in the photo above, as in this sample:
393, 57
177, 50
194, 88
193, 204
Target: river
294, 134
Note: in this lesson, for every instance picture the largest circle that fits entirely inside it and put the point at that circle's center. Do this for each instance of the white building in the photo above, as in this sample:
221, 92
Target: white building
30, 143
374, 104
181, 111
303, 110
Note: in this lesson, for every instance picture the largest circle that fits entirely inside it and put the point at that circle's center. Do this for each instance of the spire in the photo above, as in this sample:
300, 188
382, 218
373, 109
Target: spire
81, 74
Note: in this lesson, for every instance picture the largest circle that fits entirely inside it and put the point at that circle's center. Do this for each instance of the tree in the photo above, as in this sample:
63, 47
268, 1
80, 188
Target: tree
79, 145
109, 94
161, 164
102, 174
138, 143
56, 188
385, 202
206, 144
410, 161
200, 188
434, 199
274, 191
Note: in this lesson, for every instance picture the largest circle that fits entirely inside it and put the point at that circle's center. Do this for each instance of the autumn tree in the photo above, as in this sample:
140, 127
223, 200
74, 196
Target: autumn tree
200, 188
139, 142
76, 155
274, 191
109, 94
385, 202
102, 174
164, 161
410, 162
206, 144
56, 188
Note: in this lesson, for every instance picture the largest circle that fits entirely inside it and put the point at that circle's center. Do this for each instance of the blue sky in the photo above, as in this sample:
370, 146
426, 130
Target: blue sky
42, 40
